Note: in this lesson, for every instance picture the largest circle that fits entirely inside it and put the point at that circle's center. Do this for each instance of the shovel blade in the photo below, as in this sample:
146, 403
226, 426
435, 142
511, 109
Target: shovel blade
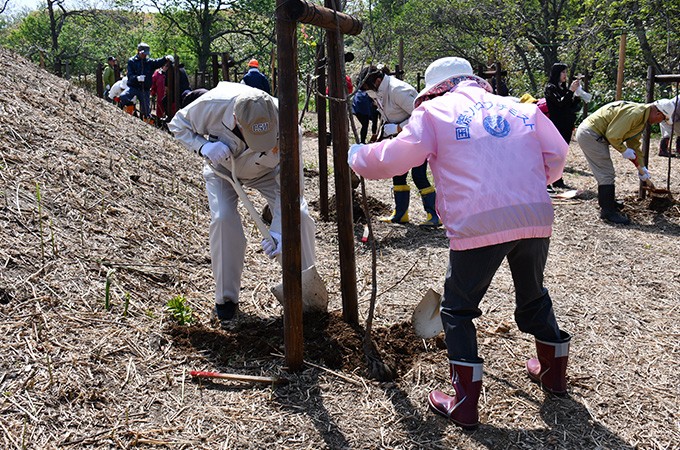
426, 319
314, 293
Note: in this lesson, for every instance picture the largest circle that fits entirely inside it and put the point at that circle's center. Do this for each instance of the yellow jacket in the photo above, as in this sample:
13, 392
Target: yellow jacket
620, 122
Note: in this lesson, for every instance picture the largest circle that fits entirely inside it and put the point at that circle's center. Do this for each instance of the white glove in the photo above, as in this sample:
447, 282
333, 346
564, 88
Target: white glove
107, 87
272, 248
587, 97
629, 154
141, 78
216, 152
643, 174
170, 58
390, 129
353, 150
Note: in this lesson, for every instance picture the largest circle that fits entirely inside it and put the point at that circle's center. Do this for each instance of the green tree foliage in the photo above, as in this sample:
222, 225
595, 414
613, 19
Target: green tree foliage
237, 26
526, 37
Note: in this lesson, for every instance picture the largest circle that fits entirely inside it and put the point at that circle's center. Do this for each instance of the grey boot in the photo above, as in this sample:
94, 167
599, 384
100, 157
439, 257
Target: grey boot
607, 202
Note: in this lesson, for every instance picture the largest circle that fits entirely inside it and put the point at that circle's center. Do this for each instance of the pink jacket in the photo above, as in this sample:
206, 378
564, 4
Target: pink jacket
491, 159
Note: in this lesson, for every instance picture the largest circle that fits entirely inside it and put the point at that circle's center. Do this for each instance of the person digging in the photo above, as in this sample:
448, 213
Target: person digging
237, 123
619, 124
491, 159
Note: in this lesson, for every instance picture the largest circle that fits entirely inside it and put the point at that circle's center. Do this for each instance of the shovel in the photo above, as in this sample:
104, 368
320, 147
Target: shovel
653, 190
426, 319
314, 293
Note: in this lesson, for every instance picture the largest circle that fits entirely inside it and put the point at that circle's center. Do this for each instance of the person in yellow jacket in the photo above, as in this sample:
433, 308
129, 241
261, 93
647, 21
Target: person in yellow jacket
619, 124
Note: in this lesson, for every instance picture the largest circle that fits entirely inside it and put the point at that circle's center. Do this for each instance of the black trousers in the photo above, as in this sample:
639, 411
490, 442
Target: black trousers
468, 277
364, 120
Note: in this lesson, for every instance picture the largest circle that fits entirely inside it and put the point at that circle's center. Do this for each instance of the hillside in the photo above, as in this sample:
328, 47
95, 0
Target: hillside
91, 197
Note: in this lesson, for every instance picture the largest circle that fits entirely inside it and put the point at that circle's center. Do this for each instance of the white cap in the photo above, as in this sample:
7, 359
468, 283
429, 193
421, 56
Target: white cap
668, 107
445, 68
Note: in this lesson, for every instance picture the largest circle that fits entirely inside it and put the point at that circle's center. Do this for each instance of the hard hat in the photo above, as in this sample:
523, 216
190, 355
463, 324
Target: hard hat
253, 63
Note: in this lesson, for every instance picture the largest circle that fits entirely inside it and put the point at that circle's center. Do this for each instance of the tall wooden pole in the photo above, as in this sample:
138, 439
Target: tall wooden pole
400, 69
622, 61
215, 70
289, 142
343, 189
646, 134
321, 126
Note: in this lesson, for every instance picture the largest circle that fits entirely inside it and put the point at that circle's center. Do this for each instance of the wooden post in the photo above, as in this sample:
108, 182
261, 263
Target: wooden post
286, 43
328, 18
215, 70
343, 189
419, 77
116, 71
619, 73
646, 134
173, 93
400, 69
225, 66
321, 126
100, 81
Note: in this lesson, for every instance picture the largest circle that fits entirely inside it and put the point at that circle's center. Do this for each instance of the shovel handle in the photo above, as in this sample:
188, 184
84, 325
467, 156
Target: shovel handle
234, 181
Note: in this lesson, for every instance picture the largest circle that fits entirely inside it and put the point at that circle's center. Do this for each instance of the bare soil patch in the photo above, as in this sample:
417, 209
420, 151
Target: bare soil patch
121, 209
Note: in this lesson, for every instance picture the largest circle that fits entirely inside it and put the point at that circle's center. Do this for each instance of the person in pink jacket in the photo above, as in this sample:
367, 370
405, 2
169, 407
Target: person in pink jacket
491, 159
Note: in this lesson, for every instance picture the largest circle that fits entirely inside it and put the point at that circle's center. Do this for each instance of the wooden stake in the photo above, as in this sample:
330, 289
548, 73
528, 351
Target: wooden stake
622, 60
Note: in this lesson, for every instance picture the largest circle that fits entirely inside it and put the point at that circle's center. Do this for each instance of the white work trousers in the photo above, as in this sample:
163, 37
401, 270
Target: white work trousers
227, 239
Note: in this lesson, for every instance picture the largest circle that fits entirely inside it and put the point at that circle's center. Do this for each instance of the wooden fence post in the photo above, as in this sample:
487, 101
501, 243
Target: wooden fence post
286, 43
343, 189
321, 126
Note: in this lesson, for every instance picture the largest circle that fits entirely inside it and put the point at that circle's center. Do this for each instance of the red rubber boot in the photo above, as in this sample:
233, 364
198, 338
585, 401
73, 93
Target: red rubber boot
461, 408
550, 368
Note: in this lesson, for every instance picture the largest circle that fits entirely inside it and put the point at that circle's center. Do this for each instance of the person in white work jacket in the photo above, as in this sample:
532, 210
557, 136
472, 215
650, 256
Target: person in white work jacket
394, 99
240, 122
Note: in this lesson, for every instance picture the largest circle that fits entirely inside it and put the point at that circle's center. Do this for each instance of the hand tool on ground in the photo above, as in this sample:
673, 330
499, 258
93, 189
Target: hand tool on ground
237, 377
648, 185
314, 293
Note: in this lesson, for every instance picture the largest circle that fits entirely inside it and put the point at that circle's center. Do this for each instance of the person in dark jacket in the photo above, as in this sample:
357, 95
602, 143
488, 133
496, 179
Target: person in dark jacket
255, 78
366, 111
140, 69
562, 107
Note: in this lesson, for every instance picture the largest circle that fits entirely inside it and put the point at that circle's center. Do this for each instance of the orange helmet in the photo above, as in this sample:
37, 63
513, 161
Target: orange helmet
253, 63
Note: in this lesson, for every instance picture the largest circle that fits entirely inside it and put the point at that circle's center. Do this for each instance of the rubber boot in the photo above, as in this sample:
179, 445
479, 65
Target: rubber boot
429, 196
550, 368
677, 147
663, 147
460, 408
607, 202
402, 196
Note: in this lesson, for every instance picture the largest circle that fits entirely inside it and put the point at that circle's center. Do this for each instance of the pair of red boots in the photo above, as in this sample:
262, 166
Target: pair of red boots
549, 370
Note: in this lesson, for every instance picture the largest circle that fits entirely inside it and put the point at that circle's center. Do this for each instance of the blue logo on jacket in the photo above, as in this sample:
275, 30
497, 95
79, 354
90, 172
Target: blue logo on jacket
462, 133
496, 126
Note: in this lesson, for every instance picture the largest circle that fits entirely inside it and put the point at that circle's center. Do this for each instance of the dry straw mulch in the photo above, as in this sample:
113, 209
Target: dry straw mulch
89, 194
